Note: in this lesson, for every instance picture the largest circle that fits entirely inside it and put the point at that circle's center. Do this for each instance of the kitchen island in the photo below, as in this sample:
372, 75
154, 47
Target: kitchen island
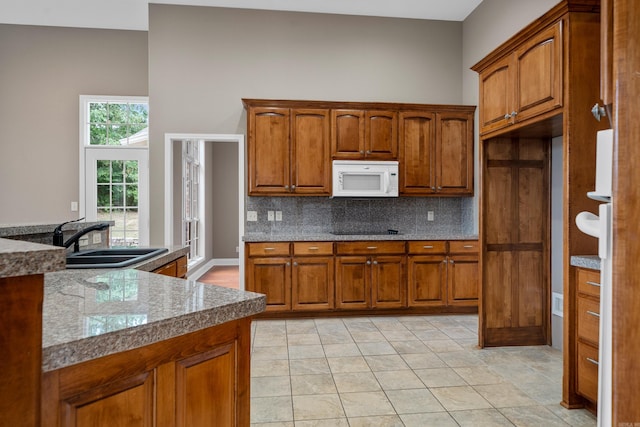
129, 347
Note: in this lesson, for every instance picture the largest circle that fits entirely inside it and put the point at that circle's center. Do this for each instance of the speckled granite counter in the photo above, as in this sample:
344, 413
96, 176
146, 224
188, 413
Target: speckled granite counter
93, 313
19, 258
586, 261
263, 237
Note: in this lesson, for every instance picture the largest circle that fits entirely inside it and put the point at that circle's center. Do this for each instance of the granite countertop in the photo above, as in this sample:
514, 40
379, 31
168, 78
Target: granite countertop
264, 237
88, 314
18, 258
586, 261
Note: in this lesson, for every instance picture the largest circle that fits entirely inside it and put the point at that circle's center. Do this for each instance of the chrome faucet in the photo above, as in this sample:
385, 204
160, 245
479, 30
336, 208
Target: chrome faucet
58, 237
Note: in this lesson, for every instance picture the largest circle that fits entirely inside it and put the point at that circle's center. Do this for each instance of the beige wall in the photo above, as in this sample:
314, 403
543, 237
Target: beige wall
42, 73
224, 55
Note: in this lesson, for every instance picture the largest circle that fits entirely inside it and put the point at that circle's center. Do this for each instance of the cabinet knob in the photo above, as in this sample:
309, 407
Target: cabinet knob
375, 262
295, 264
507, 116
288, 263
286, 187
361, 151
368, 262
439, 188
598, 112
433, 188
368, 151
293, 187
450, 261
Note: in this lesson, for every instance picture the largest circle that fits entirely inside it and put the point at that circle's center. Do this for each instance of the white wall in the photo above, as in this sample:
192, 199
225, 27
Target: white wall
43, 72
202, 61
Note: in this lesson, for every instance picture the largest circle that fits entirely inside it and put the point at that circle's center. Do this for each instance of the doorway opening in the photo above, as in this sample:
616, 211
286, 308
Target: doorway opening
221, 225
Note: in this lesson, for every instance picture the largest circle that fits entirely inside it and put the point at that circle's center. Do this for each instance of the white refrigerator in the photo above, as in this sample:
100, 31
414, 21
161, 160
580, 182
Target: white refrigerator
600, 226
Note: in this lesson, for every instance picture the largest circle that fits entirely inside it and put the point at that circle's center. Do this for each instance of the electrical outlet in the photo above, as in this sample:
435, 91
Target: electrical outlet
84, 241
429, 215
252, 216
269, 215
237, 249
74, 206
97, 238
278, 215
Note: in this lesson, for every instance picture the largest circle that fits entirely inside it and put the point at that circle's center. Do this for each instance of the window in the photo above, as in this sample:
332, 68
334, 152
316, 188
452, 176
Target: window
192, 152
114, 180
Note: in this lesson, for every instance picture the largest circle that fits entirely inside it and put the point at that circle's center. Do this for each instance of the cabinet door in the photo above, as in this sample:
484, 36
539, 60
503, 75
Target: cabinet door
310, 145
269, 149
454, 153
205, 388
539, 74
353, 282
381, 135
388, 285
496, 96
128, 402
427, 280
312, 283
347, 134
463, 280
272, 277
417, 134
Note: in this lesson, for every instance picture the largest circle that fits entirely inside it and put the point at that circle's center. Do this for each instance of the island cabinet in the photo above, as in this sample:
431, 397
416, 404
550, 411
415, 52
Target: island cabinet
288, 151
443, 273
364, 134
436, 152
370, 275
524, 84
194, 380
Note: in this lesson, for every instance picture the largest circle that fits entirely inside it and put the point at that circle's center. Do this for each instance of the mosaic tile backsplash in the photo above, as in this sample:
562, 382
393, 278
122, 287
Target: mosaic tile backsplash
316, 215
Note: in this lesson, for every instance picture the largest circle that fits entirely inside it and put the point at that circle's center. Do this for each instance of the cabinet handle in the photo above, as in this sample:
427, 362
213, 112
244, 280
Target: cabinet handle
368, 262
593, 284
313, 248
372, 247
269, 249
593, 313
595, 362
468, 246
598, 112
427, 247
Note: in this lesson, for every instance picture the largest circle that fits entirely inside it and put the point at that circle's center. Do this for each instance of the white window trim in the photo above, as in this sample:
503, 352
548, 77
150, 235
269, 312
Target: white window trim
84, 137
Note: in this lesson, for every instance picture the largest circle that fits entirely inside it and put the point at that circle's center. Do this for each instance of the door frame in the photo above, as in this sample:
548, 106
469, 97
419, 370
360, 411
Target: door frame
169, 139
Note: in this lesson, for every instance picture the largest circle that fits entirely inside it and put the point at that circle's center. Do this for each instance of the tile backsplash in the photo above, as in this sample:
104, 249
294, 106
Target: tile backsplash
316, 215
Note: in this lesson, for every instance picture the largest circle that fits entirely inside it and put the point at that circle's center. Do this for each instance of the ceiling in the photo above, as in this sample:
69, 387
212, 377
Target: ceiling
133, 14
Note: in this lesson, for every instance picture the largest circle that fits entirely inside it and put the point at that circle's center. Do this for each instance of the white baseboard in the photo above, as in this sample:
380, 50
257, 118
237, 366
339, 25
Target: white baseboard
197, 273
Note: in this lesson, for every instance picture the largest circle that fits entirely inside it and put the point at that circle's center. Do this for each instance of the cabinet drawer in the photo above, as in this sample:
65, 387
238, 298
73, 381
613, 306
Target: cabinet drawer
268, 249
427, 247
588, 371
167, 270
588, 319
589, 282
372, 247
463, 246
313, 248
181, 267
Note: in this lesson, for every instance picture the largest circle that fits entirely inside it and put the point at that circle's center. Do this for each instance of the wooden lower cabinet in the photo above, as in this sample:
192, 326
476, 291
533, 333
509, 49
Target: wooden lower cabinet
195, 380
587, 334
176, 268
364, 275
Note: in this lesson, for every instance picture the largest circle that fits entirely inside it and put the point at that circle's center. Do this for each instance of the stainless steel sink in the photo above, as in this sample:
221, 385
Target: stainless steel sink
111, 257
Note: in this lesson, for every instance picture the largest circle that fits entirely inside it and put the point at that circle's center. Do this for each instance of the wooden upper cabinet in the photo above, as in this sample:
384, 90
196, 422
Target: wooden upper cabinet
364, 134
269, 150
539, 79
416, 152
347, 134
289, 151
436, 153
524, 84
310, 152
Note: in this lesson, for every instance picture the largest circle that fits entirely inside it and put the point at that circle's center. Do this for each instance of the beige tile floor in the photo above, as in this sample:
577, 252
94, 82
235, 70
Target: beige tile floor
400, 371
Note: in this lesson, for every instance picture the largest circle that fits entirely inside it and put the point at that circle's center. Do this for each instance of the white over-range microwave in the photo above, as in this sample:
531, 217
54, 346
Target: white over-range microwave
363, 178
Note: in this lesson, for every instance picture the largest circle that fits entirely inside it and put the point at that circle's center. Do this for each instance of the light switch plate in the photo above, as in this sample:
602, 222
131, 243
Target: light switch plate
429, 215
269, 215
252, 216
97, 238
